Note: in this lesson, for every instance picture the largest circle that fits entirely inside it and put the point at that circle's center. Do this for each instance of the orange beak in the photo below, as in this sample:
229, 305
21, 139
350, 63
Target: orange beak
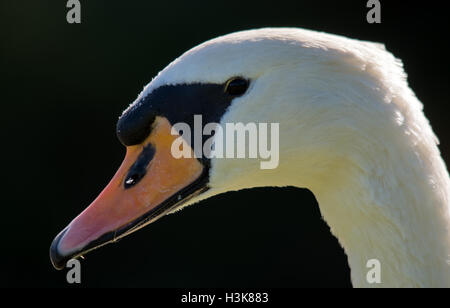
149, 183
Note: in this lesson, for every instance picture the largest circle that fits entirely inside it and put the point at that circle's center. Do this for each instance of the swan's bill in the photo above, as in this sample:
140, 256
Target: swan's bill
149, 183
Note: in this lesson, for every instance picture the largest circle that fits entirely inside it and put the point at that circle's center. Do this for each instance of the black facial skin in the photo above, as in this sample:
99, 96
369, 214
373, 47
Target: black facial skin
177, 103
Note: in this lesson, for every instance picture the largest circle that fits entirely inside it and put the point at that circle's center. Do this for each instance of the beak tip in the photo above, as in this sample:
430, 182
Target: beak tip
58, 260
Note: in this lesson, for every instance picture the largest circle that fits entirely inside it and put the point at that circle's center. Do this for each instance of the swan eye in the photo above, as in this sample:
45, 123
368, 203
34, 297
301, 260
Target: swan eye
236, 86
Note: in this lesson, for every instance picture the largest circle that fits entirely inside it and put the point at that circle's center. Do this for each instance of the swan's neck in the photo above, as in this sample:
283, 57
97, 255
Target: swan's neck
384, 198
382, 188
395, 209
389, 202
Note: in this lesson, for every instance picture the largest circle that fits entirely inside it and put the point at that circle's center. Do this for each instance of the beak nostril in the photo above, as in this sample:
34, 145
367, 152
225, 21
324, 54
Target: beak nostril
133, 179
139, 169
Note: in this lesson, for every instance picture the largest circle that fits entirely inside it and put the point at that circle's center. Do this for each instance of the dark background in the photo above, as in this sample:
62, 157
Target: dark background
63, 87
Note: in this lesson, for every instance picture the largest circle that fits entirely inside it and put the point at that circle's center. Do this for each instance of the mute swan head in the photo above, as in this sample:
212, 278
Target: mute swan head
350, 130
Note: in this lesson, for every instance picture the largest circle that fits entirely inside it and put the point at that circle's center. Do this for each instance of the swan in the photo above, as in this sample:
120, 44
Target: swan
350, 130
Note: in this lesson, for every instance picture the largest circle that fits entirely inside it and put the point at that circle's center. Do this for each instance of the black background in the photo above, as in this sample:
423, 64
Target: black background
63, 87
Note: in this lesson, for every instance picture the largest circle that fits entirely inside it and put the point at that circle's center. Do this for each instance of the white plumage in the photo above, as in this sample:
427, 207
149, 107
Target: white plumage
351, 131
